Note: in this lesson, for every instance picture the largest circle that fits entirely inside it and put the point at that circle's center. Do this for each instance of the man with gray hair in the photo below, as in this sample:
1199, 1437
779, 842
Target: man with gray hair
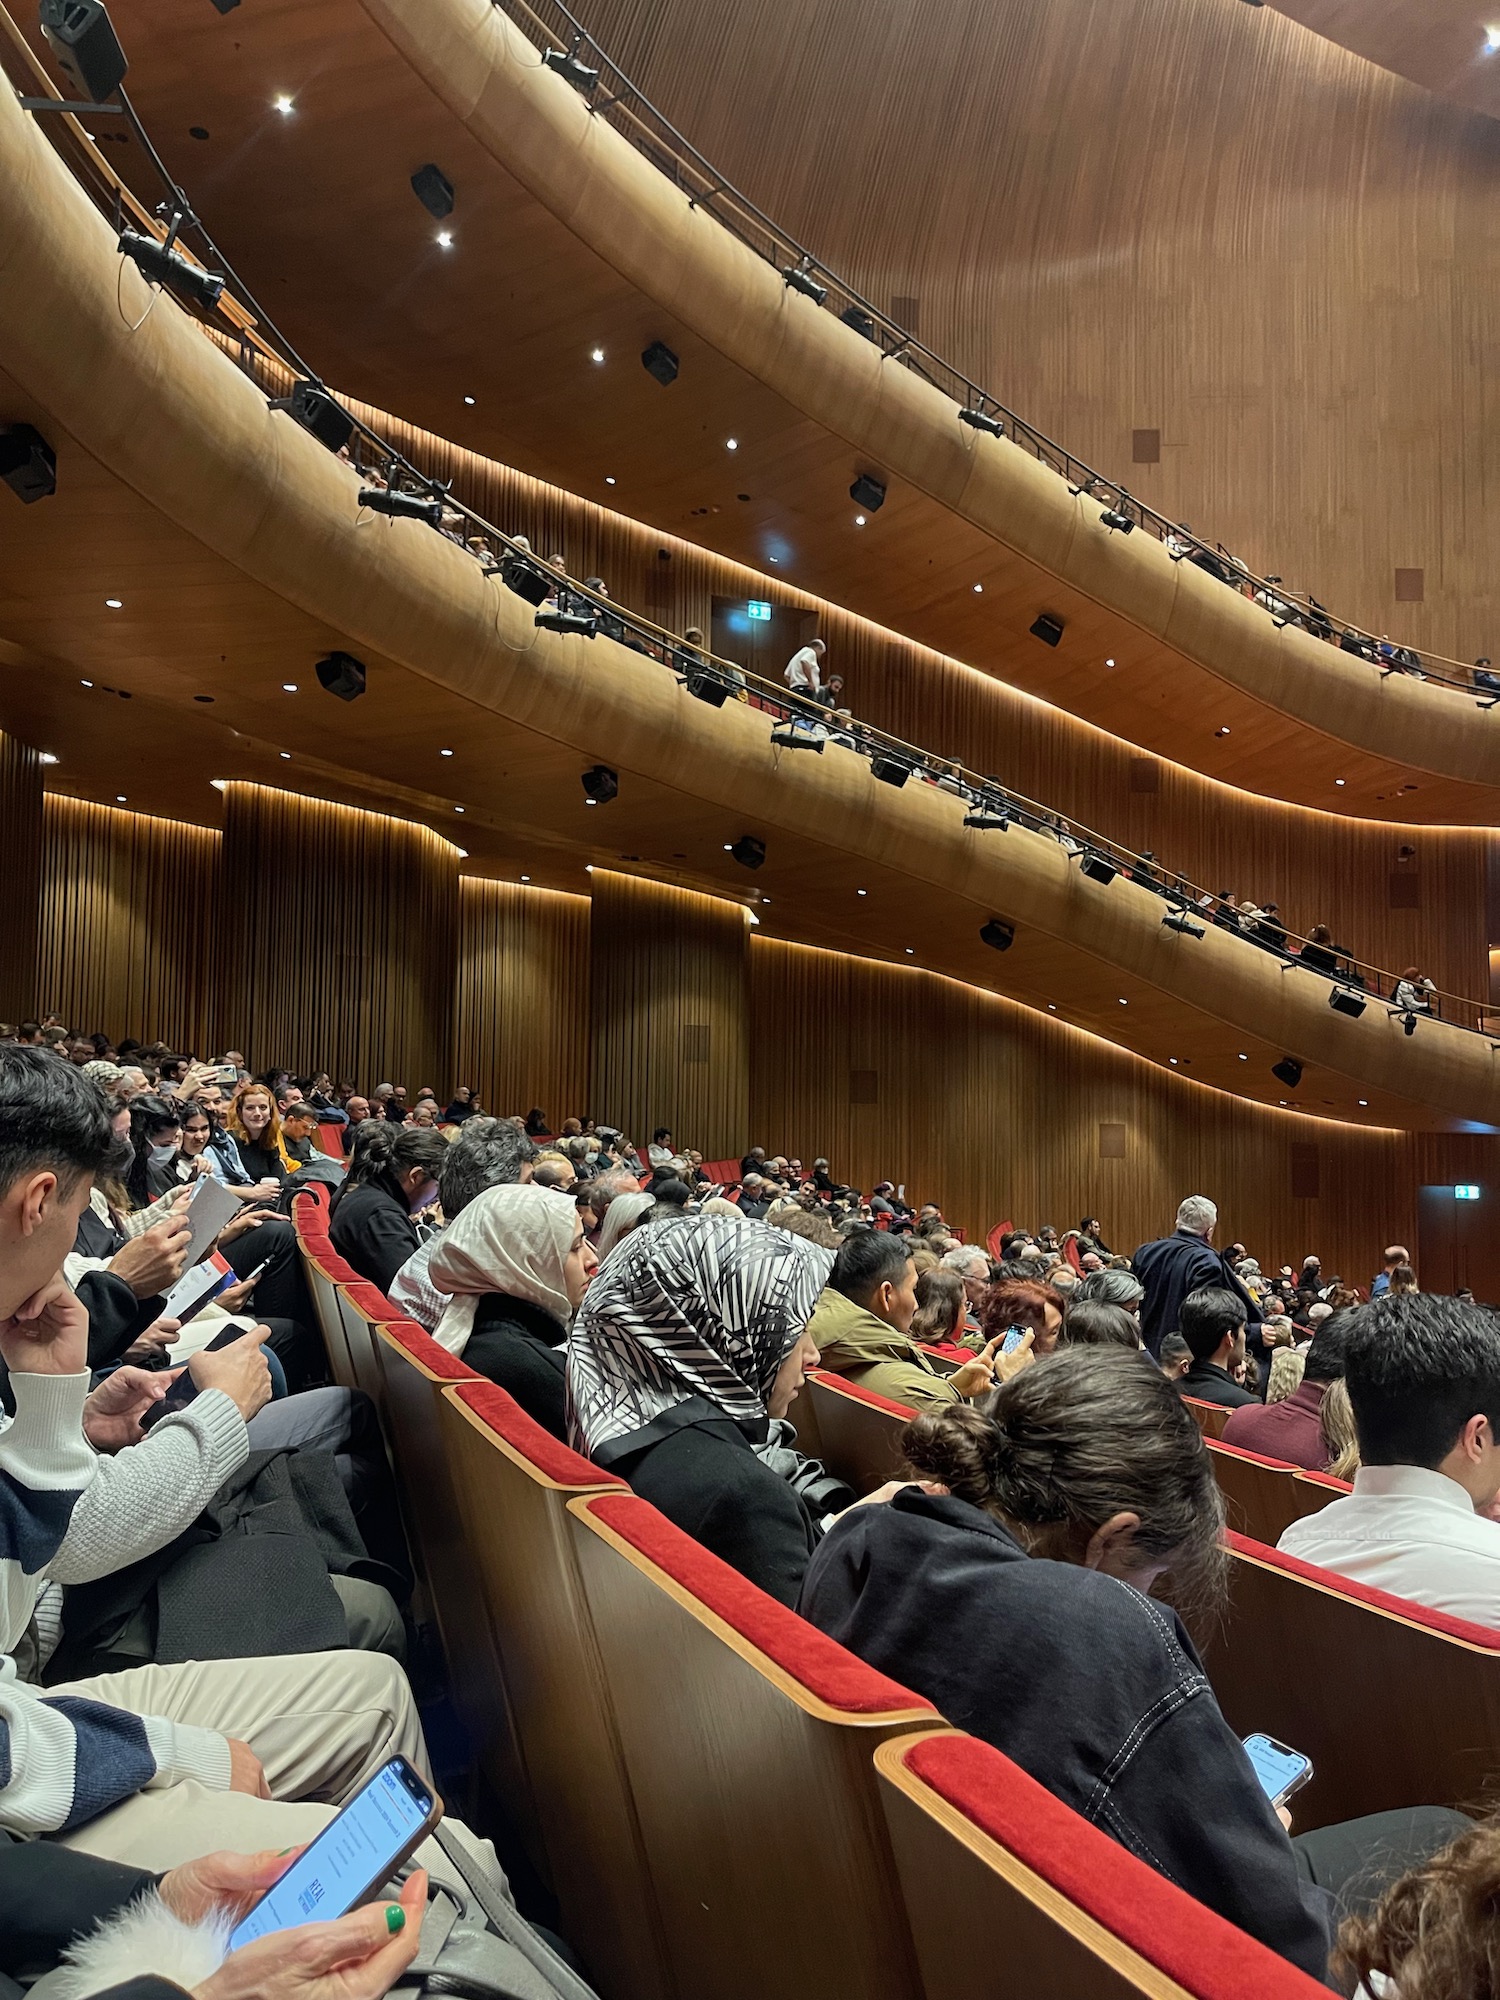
1184, 1262
973, 1266
488, 1152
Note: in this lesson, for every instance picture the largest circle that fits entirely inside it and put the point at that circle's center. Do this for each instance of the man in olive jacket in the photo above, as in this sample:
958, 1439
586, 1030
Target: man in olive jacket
862, 1326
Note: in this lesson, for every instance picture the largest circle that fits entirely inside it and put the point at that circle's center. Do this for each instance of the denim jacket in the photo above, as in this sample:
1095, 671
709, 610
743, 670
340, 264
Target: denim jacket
1091, 1687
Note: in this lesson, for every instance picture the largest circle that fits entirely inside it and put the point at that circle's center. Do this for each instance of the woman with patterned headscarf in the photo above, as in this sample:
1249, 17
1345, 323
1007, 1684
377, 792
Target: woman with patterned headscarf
686, 1355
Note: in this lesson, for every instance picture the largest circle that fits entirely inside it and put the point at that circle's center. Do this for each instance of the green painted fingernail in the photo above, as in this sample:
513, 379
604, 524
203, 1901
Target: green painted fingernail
395, 1918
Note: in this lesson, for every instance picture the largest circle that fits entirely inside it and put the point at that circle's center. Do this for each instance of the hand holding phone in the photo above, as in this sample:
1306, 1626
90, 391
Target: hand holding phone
1281, 1770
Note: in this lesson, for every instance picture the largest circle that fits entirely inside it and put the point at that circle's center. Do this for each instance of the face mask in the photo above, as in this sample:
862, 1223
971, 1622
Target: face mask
159, 1155
121, 1158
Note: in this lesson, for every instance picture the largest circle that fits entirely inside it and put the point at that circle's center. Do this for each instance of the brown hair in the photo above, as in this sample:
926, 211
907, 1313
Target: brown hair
1435, 1932
1018, 1302
940, 1303
1080, 1436
812, 1228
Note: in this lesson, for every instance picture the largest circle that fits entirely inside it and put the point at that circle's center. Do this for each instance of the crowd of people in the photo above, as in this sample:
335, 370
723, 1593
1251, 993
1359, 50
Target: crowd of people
203, 1575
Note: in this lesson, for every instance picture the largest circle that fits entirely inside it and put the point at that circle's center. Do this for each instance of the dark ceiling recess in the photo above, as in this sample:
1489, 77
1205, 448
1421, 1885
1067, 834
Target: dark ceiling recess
434, 190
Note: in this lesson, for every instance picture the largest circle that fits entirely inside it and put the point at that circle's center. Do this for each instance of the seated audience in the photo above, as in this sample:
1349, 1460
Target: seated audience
862, 1327
1340, 1439
392, 1173
1423, 1376
1284, 1375
515, 1264
1112, 1288
1093, 1323
1435, 1934
255, 1127
1289, 1429
1184, 1262
1212, 1322
488, 1152
939, 1316
1394, 1257
1028, 1304
998, 1589
1176, 1357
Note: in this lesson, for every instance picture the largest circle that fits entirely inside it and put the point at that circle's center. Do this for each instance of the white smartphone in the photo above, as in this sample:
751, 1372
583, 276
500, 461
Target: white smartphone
351, 1858
1281, 1770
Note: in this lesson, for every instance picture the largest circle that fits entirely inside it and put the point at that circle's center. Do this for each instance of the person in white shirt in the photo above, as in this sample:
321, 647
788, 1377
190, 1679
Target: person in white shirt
802, 674
1423, 1521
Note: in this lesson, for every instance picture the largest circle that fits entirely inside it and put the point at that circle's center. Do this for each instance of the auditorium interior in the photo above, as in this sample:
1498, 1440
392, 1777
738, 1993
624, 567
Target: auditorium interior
750, 799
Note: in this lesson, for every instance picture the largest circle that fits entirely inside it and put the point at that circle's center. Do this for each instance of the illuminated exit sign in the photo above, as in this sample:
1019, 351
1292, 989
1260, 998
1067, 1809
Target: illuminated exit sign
1467, 1192
760, 614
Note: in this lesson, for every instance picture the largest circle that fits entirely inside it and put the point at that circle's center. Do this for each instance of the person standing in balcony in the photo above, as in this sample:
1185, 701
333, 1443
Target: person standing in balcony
803, 672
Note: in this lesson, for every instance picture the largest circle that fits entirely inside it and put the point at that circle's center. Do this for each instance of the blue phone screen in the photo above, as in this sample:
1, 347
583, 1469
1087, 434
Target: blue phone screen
352, 1852
1274, 1765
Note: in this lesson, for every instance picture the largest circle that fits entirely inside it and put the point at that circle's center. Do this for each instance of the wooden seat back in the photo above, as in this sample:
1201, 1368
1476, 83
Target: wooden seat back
1013, 1896
747, 1737
1395, 1705
1209, 1417
319, 1259
860, 1432
1312, 1491
1259, 1493
362, 1308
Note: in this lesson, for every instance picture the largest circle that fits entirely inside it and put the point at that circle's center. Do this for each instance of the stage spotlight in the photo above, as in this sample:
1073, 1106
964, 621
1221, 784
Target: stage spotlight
868, 492
981, 420
402, 506
889, 770
317, 412
601, 784
342, 675
1287, 1071
28, 464
860, 320
1097, 868
1116, 522
525, 579
1344, 1002
434, 190
707, 687
791, 736
571, 69
167, 266
1048, 629
1179, 921
988, 819
1409, 1025
800, 280
82, 38
749, 851
998, 935
660, 363
583, 623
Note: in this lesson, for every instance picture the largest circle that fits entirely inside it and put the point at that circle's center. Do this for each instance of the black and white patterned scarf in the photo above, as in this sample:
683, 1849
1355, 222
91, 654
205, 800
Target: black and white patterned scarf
695, 1307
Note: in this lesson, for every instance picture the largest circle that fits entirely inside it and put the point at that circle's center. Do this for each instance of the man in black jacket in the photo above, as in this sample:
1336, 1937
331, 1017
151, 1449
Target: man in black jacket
1212, 1322
1184, 1262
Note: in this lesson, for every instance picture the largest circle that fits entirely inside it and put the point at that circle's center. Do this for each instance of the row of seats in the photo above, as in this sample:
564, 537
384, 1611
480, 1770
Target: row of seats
724, 1800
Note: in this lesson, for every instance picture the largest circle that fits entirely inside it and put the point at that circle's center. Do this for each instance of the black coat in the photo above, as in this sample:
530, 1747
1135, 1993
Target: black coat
1207, 1384
517, 1344
1172, 1267
49, 1897
1092, 1688
373, 1231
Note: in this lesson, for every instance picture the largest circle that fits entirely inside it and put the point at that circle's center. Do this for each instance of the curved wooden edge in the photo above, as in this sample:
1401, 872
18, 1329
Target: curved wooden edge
506, 1449
843, 1718
866, 1399
593, 180
1331, 1589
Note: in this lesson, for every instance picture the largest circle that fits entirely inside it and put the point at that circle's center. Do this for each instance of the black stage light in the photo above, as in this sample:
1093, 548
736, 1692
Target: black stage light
402, 506
868, 492
583, 623
889, 770
28, 464
1118, 523
660, 363
342, 675
1180, 921
707, 687
434, 190
82, 38
226, 6
571, 69
525, 579
169, 267
317, 412
749, 851
1287, 1071
998, 935
1409, 1025
1344, 1002
981, 420
601, 784
860, 320
789, 736
988, 819
1048, 629
799, 280
1097, 868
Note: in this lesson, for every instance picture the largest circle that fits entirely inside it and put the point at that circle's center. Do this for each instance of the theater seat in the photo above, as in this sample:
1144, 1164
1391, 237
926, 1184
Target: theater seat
1395, 1705
1013, 1896
859, 1431
747, 1738
513, 1481
1260, 1497
1209, 1417
362, 1307
319, 1260
722, 1172
1312, 1491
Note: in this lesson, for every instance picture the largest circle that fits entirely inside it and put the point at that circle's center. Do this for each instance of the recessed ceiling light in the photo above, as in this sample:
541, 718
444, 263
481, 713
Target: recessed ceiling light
445, 753
765, 899
588, 867
979, 590
597, 355
1173, 1061
287, 754
288, 687
87, 684
525, 878
113, 604
1221, 732
1282, 1102
861, 892
1123, 1001
731, 444
46, 757
1338, 781
859, 520
728, 849
1109, 663
587, 802
470, 401
911, 951
1364, 1103
458, 809
1243, 1056
284, 105
609, 479
119, 798
1051, 1006
775, 558
445, 239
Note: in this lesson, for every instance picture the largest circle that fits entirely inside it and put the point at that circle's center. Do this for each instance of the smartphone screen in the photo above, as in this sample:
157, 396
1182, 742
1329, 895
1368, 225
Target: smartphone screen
1279, 1769
1014, 1338
350, 1858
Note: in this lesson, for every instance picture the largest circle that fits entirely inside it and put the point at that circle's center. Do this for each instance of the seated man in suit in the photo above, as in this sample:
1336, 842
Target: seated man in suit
1212, 1322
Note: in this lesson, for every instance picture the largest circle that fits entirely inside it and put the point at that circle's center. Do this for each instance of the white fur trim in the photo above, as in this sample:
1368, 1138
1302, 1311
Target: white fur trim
143, 1940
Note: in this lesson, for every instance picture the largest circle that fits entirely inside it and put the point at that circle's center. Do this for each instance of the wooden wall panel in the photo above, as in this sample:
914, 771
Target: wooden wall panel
21, 872
1319, 867
128, 923
338, 939
523, 997
671, 1022
998, 1112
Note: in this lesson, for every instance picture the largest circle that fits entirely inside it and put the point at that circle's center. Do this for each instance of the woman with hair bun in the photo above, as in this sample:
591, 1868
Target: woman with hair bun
1011, 1591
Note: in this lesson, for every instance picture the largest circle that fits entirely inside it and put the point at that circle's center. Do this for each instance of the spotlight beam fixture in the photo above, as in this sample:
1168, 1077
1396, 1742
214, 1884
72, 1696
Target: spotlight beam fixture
584, 623
789, 736
988, 819
800, 279
399, 506
162, 264
1117, 522
1179, 921
571, 67
980, 420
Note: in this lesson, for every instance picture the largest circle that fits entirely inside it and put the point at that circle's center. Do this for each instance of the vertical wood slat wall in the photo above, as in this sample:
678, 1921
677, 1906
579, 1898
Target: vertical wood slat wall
127, 927
21, 872
523, 998
671, 1030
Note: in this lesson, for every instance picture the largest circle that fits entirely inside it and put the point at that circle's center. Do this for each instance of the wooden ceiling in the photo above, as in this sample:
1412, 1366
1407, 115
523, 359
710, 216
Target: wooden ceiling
315, 210
1441, 44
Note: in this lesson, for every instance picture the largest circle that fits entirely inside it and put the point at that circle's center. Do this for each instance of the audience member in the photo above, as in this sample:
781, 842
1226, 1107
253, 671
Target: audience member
1025, 1304
1396, 1256
803, 671
488, 1152
1175, 1358
392, 1173
862, 1327
1212, 1322
1184, 1262
1094, 1323
1289, 1429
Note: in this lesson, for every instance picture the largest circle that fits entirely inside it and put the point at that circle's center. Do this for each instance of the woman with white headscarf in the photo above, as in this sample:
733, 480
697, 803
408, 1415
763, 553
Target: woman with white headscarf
516, 1262
686, 1354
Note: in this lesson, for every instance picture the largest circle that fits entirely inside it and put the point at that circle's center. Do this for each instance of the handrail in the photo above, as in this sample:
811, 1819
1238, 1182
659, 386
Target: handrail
261, 351
613, 96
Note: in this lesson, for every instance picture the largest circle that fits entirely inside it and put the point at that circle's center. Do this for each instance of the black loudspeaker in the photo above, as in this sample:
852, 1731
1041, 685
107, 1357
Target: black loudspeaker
889, 770
434, 190
868, 492
999, 936
706, 687
601, 784
28, 464
660, 363
1287, 1071
1344, 1002
317, 412
1048, 629
860, 320
82, 38
749, 851
342, 675
1098, 869
525, 579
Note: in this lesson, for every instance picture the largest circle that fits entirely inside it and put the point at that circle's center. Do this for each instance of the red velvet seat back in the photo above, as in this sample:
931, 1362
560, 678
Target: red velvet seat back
362, 1307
